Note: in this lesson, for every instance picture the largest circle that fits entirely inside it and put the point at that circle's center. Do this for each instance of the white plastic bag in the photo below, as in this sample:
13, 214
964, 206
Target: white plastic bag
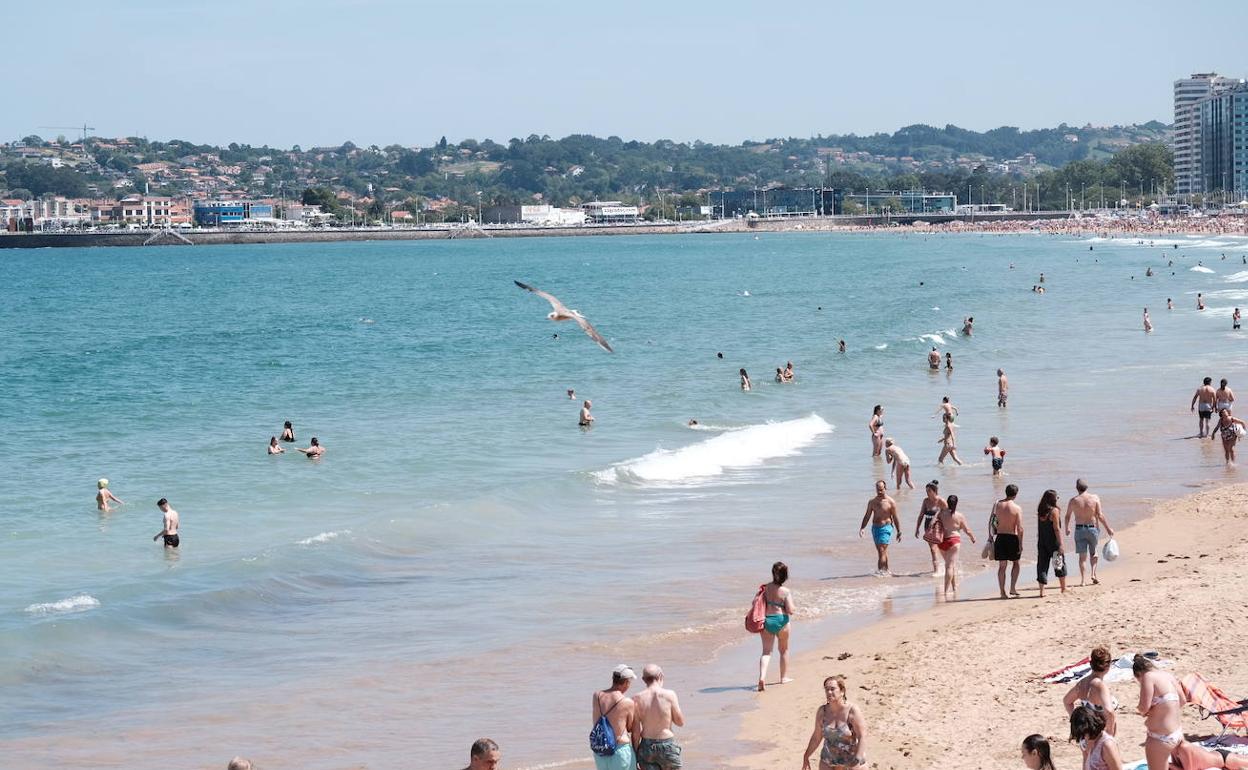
1110, 551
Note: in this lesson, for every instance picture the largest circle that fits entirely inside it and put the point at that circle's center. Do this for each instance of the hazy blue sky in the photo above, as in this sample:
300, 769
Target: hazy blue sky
314, 72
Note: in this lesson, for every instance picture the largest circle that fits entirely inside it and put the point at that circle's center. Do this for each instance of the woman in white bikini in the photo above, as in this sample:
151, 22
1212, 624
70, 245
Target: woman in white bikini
1100, 750
839, 724
1091, 691
1161, 701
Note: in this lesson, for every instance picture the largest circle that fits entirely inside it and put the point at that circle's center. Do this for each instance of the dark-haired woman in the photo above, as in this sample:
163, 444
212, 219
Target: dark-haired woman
839, 724
776, 625
1100, 750
1161, 700
953, 524
745, 380
1049, 542
1093, 692
929, 507
288, 432
876, 426
1037, 754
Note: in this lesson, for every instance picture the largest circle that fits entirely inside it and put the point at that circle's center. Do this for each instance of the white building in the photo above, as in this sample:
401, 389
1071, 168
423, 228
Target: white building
1186, 143
610, 211
541, 215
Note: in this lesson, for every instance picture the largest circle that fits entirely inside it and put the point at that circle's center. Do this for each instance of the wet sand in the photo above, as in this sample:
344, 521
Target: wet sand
957, 686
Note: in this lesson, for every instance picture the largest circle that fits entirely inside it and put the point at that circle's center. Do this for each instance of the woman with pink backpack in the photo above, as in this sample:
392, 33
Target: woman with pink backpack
774, 603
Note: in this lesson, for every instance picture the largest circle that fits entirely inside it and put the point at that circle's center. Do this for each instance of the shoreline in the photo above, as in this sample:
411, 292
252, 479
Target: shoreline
905, 671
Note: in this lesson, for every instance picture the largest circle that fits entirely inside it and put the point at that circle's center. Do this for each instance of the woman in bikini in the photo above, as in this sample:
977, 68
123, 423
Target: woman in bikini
952, 524
1161, 701
776, 625
1100, 750
1230, 429
948, 442
839, 724
1091, 691
1049, 544
928, 508
876, 426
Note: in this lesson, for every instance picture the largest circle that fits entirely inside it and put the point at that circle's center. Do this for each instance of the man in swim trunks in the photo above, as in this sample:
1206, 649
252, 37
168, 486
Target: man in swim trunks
1007, 543
1003, 388
657, 710
484, 755
170, 530
882, 513
621, 713
1204, 398
586, 419
933, 358
1086, 510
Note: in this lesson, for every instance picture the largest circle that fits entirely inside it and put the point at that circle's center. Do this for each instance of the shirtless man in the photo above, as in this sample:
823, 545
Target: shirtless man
586, 419
1204, 398
484, 755
657, 710
882, 513
170, 530
621, 713
900, 461
1007, 543
103, 497
1224, 398
1003, 388
1086, 510
314, 449
933, 359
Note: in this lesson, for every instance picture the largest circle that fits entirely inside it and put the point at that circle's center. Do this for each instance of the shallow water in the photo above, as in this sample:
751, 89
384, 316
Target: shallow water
464, 553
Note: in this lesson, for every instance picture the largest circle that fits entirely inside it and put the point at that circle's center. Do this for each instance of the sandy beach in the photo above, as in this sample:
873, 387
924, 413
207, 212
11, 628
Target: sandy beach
958, 686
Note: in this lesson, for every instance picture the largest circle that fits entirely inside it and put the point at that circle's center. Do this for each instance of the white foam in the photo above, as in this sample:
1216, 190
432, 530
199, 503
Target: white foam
882, 346
934, 338
1240, 277
744, 448
76, 603
1200, 269
324, 537
715, 428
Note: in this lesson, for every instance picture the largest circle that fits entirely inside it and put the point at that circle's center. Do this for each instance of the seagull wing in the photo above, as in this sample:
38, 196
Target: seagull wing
554, 303
592, 332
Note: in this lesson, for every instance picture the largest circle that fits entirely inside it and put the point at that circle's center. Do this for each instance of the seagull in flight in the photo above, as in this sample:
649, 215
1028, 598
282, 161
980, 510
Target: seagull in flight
562, 313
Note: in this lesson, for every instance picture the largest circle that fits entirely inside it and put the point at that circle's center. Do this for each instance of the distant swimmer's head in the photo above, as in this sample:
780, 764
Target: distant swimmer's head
952, 502
693, 422
1000, 372
286, 424
1011, 491
162, 503
743, 374
588, 404
1208, 380
1081, 486
101, 484
719, 355
315, 442
780, 573
272, 440
944, 400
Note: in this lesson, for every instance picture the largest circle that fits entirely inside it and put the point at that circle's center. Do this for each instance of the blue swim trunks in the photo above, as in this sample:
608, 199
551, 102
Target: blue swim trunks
882, 535
773, 623
622, 759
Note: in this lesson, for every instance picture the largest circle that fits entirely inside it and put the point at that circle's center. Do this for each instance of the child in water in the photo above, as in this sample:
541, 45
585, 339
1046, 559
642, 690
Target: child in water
998, 455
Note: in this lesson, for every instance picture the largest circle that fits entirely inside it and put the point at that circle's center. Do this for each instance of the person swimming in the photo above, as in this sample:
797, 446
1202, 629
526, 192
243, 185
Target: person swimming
274, 448
103, 497
288, 432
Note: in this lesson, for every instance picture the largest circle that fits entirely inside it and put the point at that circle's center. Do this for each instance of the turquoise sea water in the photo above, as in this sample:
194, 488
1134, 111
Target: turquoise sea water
464, 554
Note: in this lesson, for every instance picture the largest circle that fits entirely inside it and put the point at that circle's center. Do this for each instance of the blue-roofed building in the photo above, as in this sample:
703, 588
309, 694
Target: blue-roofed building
217, 213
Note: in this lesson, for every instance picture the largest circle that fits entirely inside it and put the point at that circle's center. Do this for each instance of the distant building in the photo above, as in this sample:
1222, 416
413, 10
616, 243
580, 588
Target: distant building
543, 215
1187, 143
221, 212
774, 202
610, 212
1222, 120
909, 201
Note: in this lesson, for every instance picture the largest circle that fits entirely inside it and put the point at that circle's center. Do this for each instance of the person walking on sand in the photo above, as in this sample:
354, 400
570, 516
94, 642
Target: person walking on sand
1230, 429
484, 755
621, 714
657, 710
586, 419
1100, 750
779, 601
745, 380
1085, 508
1049, 550
1092, 691
876, 426
314, 449
1202, 403
933, 359
1007, 543
1224, 397
948, 442
104, 496
841, 728
995, 451
1003, 388
929, 507
953, 524
882, 513
1148, 324
1161, 703
170, 529
900, 462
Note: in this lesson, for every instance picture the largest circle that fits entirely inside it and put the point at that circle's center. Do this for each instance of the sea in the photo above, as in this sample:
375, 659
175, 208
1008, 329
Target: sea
465, 561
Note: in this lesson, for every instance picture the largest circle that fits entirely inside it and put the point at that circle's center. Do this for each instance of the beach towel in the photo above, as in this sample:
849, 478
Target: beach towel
1119, 671
1208, 698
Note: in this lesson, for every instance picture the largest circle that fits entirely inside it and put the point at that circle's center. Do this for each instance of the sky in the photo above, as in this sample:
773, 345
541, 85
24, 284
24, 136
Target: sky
321, 72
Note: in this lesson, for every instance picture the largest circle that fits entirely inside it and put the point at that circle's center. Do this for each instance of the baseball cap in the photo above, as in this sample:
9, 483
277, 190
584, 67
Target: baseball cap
622, 671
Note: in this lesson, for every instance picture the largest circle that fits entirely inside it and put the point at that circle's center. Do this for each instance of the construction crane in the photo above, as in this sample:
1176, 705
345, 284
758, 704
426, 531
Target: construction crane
84, 128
